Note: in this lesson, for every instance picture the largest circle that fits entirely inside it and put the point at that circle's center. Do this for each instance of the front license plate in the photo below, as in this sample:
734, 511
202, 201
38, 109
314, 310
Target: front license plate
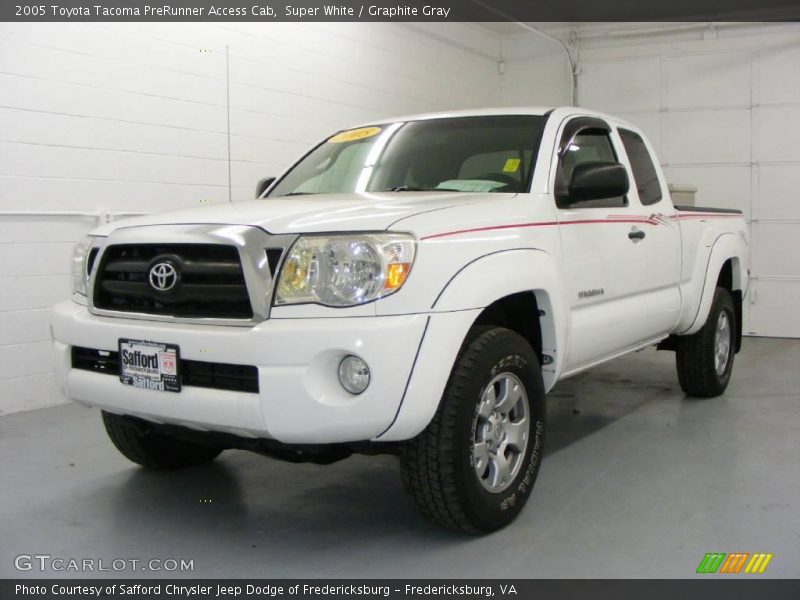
150, 365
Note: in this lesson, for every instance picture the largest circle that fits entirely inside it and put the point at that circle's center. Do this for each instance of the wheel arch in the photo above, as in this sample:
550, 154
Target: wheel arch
725, 268
483, 292
529, 314
730, 276
517, 289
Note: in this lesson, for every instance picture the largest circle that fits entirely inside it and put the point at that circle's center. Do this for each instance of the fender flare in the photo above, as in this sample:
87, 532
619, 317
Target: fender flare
486, 280
728, 246
475, 286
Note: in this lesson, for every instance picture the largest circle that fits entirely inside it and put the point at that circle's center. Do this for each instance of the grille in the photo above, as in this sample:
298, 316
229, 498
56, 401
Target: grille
210, 281
219, 376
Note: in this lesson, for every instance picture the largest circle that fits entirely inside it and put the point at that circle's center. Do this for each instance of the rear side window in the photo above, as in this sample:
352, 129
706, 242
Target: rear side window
644, 172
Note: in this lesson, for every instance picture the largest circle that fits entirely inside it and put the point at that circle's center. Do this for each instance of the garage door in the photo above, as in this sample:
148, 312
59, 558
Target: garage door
727, 121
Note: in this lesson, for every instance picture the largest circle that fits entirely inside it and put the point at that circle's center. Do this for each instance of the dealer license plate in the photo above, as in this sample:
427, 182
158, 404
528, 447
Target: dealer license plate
150, 365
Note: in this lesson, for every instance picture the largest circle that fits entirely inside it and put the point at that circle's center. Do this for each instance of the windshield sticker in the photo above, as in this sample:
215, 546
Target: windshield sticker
512, 165
354, 134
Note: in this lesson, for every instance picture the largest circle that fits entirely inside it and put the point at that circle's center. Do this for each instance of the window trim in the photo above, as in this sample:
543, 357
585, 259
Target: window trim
574, 127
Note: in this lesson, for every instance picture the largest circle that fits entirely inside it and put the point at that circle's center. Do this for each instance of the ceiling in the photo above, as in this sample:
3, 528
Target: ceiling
506, 28
562, 29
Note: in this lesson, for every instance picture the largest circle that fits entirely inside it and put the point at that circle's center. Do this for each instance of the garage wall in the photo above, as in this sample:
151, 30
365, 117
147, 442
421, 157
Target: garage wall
536, 72
722, 107
101, 120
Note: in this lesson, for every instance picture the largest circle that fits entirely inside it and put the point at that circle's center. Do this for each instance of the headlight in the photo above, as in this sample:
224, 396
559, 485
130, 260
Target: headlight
80, 264
345, 270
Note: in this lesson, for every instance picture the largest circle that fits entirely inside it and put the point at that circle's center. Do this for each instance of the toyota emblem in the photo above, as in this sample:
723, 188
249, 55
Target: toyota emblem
163, 276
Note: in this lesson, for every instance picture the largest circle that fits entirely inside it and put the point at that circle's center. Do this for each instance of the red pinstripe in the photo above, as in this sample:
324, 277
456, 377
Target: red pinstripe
651, 220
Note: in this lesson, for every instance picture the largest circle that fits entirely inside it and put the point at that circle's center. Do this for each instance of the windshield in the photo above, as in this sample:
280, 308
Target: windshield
464, 154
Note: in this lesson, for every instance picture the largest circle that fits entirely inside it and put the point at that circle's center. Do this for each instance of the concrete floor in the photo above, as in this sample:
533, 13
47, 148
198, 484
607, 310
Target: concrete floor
638, 481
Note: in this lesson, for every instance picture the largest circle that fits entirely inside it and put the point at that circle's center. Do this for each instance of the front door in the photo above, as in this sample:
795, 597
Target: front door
604, 262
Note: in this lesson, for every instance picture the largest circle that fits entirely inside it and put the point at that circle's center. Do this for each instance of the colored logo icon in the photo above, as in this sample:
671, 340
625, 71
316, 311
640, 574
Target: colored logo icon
736, 562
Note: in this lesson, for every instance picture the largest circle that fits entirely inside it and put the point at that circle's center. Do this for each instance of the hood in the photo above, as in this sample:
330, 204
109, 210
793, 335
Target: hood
311, 214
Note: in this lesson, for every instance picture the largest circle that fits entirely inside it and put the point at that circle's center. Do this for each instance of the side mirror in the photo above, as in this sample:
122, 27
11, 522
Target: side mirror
596, 180
263, 184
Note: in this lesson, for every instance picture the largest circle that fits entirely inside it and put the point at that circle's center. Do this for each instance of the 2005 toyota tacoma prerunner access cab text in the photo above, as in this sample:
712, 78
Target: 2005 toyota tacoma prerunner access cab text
413, 286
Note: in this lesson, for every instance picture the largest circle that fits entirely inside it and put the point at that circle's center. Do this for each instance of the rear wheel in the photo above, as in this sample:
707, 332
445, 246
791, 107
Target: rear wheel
705, 359
146, 445
473, 467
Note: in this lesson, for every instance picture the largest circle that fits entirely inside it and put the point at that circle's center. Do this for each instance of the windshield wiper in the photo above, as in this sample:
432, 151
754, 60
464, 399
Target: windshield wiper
299, 194
408, 188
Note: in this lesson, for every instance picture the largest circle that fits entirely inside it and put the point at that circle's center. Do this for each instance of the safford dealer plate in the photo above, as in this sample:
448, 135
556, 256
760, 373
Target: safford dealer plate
150, 365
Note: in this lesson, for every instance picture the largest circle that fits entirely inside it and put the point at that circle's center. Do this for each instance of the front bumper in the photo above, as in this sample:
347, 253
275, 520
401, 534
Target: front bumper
300, 399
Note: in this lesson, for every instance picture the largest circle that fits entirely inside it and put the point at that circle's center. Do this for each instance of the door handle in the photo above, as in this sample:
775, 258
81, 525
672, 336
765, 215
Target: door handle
636, 234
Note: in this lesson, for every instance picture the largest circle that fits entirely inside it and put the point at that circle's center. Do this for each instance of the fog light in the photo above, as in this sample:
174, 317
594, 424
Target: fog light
353, 374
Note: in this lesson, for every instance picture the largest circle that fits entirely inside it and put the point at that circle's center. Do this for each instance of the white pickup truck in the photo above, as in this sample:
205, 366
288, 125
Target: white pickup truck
413, 286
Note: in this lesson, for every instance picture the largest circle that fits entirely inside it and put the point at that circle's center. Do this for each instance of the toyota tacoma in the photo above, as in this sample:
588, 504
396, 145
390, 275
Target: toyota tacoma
413, 286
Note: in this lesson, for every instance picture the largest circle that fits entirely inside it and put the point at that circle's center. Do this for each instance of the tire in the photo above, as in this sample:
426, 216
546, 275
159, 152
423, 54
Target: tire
143, 444
451, 480
704, 364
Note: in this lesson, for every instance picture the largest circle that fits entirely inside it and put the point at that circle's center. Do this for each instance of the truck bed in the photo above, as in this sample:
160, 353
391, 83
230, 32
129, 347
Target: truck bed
728, 211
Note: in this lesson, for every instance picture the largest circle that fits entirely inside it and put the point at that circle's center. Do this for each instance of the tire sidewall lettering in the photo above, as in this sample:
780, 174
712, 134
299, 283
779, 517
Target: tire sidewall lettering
512, 497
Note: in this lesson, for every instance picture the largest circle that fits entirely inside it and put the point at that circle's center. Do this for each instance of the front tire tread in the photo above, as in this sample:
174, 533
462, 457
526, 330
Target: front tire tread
429, 461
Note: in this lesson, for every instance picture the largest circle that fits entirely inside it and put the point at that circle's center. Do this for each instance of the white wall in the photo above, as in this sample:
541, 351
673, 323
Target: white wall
128, 118
536, 72
723, 111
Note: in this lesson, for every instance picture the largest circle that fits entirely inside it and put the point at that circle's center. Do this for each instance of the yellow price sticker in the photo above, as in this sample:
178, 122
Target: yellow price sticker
511, 166
354, 134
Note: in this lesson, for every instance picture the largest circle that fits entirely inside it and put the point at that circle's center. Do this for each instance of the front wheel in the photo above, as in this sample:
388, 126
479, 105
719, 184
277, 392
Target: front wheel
472, 469
147, 445
705, 358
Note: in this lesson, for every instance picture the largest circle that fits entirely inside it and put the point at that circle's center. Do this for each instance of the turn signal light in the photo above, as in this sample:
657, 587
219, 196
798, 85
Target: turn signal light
396, 275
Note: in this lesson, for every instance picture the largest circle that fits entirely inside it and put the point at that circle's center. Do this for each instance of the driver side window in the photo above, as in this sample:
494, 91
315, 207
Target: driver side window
588, 146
